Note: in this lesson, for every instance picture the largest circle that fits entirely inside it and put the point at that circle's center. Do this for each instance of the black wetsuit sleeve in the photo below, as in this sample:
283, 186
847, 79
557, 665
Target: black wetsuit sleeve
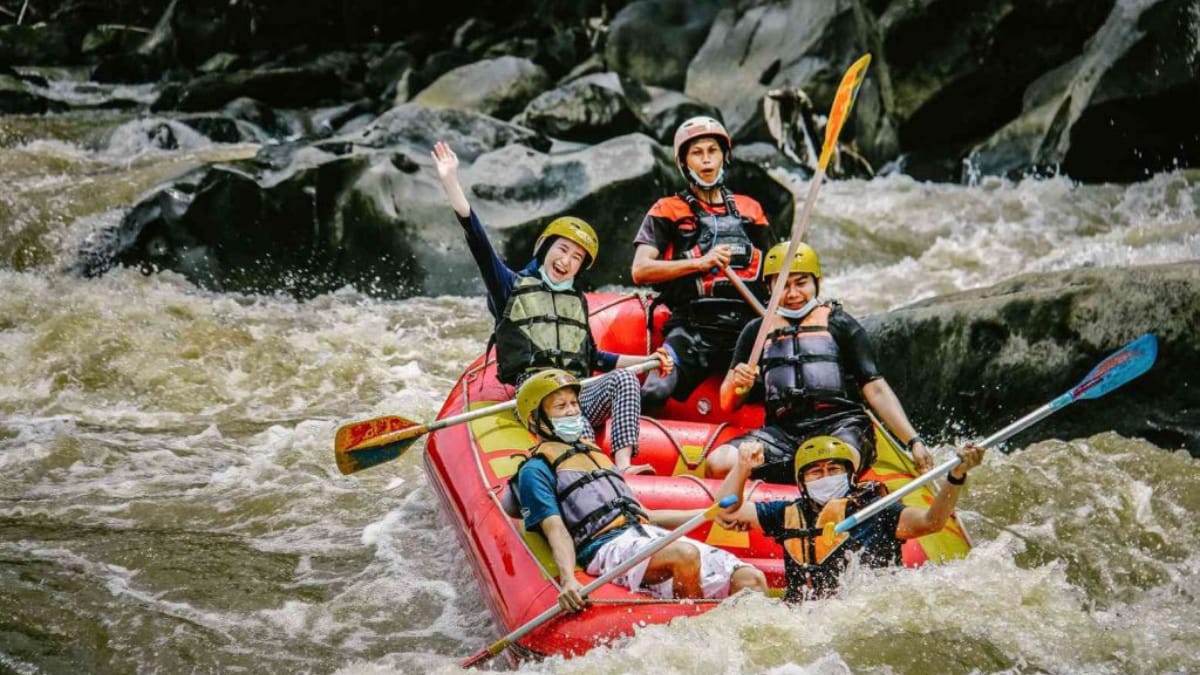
858, 356
497, 277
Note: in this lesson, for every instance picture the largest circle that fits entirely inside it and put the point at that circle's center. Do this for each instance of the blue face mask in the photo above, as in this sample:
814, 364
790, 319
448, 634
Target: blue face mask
564, 285
797, 314
570, 428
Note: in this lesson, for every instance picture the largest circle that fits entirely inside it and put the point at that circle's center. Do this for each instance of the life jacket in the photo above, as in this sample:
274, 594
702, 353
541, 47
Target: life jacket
542, 328
800, 369
593, 498
813, 563
708, 298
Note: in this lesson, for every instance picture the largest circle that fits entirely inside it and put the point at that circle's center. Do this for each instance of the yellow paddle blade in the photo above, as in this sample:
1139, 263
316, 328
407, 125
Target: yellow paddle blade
828, 535
847, 91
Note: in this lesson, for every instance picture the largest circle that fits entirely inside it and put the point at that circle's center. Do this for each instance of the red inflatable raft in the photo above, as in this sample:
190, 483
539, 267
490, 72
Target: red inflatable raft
469, 466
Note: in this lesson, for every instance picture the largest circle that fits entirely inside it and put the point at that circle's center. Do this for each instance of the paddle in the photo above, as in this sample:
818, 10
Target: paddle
652, 548
743, 290
1126, 364
842, 102
364, 444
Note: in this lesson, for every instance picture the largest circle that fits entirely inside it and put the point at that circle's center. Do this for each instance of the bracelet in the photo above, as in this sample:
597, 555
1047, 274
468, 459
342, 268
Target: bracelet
913, 441
955, 481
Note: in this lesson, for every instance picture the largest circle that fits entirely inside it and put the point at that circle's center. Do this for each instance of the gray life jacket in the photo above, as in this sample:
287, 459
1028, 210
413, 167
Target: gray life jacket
542, 328
800, 368
593, 498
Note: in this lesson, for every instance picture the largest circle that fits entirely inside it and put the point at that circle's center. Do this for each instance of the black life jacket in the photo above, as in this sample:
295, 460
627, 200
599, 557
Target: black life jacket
593, 498
800, 369
813, 563
708, 299
542, 328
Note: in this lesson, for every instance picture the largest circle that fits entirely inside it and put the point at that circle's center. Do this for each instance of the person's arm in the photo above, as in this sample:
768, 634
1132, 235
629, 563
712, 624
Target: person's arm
916, 521
883, 401
740, 378
563, 549
446, 163
649, 270
665, 362
744, 514
853, 340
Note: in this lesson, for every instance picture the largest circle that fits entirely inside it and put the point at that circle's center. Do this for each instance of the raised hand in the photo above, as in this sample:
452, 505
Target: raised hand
446, 163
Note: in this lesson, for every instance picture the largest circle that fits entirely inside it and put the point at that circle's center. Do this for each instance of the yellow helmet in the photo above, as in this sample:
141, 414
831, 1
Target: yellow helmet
574, 229
535, 390
818, 448
806, 260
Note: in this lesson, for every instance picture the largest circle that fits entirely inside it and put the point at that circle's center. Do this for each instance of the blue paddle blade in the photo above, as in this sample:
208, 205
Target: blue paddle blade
1132, 360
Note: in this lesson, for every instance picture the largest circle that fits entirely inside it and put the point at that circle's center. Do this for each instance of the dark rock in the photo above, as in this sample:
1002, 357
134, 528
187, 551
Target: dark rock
470, 134
283, 87
387, 69
665, 110
263, 116
498, 87
561, 52
800, 44
222, 62
652, 41
17, 99
191, 31
127, 68
437, 64
590, 109
589, 66
984, 358
38, 44
110, 39
518, 47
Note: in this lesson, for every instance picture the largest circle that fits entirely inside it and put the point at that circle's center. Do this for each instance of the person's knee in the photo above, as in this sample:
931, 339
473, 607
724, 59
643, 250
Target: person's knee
720, 461
684, 559
747, 577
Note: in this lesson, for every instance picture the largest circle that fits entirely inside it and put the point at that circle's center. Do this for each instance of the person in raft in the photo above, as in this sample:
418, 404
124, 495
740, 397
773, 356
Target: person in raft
825, 468
567, 490
817, 369
684, 242
542, 319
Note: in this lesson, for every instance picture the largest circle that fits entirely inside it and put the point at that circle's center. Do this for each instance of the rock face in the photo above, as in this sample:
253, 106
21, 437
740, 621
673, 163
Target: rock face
589, 109
1123, 109
790, 44
983, 358
367, 209
498, 87
654, 40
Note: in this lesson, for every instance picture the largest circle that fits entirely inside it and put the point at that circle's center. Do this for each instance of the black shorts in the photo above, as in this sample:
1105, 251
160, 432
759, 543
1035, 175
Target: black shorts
696, 358
780, 445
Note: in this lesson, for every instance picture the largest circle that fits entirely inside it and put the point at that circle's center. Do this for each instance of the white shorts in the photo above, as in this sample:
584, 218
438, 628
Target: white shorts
716, 566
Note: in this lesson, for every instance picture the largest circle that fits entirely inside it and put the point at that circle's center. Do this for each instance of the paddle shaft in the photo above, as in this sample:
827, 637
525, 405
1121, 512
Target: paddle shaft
646, 552
1129, 362
419, 430
743, 290
948, 465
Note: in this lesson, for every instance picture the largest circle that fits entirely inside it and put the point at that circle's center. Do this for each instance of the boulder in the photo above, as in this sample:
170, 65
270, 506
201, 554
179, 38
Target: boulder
35, 45
470, 134
16, 98
796, 43
386, 70
666, 109
1120, 111
109, 39
499, 87
653, 41
590, 109
308, 219
282, 87
972, 362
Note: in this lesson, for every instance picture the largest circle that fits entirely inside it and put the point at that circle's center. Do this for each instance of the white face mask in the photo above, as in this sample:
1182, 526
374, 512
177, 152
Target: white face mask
570, 428
564, 285
830, 487
707, 186
797, 314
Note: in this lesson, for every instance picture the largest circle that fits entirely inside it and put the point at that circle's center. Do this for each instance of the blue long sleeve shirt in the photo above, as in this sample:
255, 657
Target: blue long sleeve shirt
499, 278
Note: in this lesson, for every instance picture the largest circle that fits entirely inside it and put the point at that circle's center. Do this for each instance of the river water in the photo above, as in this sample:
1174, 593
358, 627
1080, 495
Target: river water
169, 503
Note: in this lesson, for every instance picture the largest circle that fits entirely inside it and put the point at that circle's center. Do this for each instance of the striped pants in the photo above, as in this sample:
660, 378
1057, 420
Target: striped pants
618, 395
